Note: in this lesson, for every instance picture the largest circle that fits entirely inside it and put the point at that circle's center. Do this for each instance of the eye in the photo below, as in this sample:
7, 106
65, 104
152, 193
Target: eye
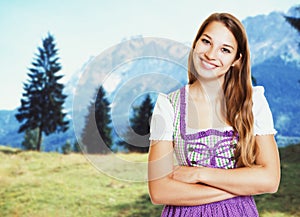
225, 50
205, 41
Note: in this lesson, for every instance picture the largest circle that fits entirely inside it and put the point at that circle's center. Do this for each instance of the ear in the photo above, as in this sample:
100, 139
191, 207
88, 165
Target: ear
236, 61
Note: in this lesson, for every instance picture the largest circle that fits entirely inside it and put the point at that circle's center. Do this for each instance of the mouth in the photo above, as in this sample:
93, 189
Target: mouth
207, 65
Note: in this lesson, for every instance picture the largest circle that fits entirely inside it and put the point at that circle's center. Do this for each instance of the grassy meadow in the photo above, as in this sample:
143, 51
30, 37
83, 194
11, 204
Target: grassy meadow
36, 184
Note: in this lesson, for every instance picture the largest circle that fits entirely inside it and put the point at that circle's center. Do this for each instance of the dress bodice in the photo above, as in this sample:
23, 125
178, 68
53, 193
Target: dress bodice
209, 147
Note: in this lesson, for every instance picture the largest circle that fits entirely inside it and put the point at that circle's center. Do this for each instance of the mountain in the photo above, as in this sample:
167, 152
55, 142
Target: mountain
9, 127
127, 71
282, 89
272, 36
140, 65
275, 54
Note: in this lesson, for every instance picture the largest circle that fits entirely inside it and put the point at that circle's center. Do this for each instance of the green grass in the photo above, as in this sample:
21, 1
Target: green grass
36, 184
286, 202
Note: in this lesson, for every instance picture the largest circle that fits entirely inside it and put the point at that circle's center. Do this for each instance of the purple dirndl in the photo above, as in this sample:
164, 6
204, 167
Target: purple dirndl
210, 148
234, 207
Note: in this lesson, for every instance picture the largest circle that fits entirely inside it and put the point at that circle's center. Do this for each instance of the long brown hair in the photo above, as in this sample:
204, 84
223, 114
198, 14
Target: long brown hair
237, 88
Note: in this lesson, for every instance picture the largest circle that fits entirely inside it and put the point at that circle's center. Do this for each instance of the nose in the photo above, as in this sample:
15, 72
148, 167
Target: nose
210, 53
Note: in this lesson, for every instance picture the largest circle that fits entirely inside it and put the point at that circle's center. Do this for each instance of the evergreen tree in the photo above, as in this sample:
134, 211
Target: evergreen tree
96, 135
76, 147
42, 103
30, 139
67, 149
139, 140
293, 21
254, 81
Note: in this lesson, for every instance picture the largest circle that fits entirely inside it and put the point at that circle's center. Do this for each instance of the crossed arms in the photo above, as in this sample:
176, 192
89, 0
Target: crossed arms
188, 186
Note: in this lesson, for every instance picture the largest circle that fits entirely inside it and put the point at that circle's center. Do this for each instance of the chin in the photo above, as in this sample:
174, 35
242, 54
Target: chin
210, 76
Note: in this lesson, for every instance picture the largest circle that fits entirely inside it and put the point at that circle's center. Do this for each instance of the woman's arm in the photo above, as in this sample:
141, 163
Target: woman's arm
164, 189
262, 178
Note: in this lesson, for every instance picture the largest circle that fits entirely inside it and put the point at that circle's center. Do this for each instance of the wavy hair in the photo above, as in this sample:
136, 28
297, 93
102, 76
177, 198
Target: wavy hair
237, 89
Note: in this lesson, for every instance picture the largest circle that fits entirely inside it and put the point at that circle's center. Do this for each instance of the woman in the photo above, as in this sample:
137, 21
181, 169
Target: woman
220, 129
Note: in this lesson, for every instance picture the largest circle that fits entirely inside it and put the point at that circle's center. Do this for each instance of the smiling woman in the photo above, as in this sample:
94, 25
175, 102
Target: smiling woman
215, 52
220, 129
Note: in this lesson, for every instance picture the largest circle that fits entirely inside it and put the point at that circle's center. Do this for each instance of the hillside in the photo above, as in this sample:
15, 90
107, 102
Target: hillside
36, 184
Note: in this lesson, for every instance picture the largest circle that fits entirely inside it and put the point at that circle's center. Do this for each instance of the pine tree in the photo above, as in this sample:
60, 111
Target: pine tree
96, 135
139, 141
294, 21
254, 81
42, 103
67, 148
30, 139
76, 147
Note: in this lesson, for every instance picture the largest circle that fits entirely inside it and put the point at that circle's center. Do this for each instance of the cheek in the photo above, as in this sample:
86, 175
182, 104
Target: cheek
196, 57
200, 49
228, 61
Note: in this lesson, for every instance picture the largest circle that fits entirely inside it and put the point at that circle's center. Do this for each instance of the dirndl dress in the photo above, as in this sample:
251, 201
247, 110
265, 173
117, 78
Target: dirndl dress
210, 148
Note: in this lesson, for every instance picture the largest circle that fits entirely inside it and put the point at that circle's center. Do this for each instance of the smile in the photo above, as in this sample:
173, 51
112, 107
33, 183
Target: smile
207, 65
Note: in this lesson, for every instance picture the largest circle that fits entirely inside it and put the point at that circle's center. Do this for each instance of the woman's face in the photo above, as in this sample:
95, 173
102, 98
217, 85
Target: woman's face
215, 52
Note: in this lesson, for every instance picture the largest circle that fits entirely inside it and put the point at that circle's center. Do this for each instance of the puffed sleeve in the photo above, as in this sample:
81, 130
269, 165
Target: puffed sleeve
161, 125
263, 119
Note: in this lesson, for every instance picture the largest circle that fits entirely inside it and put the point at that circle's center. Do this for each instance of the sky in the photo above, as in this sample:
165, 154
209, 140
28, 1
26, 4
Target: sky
85, 28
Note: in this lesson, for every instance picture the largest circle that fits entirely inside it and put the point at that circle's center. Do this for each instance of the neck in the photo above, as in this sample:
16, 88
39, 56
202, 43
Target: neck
213, 89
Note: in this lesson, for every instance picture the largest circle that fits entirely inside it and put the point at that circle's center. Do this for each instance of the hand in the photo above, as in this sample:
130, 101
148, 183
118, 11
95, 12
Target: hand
186, 174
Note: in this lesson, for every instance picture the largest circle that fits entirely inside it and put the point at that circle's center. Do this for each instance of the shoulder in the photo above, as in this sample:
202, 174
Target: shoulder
263, 119
175, 92
258, 91
174, 96
162, 99
161, 125
259, 99
168, 101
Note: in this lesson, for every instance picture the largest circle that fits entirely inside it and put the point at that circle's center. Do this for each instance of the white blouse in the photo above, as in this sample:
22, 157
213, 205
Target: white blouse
162, 128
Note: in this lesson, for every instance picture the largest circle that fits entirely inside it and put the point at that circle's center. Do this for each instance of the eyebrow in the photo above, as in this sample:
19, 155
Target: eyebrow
226, 45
